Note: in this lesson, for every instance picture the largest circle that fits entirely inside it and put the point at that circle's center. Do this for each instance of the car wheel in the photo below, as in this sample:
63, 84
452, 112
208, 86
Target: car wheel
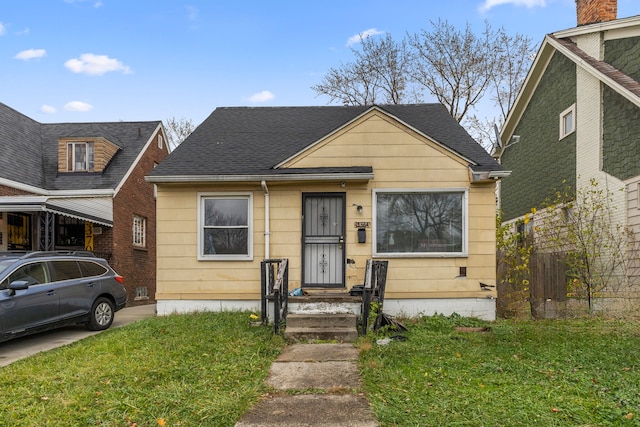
101, 314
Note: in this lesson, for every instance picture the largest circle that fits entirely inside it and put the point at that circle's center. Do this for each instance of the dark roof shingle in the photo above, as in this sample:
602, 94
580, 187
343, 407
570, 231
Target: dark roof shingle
29, 150
253, 140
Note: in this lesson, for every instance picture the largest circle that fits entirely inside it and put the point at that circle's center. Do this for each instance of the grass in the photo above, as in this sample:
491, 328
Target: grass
547, 373
182, 370
207, 369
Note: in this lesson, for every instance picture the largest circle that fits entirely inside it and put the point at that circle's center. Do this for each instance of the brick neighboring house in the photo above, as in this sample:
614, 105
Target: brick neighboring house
75, 186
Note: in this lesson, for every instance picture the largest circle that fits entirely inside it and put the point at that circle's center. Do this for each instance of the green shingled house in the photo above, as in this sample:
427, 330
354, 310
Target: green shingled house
577, 117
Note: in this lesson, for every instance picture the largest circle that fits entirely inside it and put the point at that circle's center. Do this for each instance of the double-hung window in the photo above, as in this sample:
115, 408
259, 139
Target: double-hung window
225, 230
80, 156
415, 223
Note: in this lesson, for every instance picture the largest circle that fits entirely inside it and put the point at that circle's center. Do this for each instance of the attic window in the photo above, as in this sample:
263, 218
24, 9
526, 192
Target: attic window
80, 156
568, 121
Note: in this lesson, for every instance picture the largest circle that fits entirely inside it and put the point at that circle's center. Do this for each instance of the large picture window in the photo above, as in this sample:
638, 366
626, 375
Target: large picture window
225, 227
420, 223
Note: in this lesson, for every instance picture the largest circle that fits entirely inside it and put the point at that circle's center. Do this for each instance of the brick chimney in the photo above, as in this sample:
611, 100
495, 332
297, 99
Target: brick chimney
594, 11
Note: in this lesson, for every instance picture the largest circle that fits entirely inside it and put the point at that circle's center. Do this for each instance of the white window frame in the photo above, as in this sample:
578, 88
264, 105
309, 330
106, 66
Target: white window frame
89, 160
465, 223
160, 141
563, 128
225, 257
139, 231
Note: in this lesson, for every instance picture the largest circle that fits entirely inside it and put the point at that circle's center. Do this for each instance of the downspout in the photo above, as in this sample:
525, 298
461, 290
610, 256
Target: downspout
267, 231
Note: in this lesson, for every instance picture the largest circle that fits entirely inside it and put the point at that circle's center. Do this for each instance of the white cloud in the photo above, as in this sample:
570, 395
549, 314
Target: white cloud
31, 54
489, 4
192, 13
78, 106
263, 96
3, 29
48, 109
363, 35
96, 65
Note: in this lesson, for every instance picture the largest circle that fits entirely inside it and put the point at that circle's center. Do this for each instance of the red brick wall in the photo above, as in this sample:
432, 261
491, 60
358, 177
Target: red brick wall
136, 197
9, 191
593, 11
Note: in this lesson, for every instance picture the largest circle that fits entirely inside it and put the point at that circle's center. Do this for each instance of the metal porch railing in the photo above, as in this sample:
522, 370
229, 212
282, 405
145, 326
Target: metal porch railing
274, 280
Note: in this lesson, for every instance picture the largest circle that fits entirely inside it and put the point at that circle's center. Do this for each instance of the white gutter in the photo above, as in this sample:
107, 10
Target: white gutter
271, 177
267, 230
489, 176
59, 193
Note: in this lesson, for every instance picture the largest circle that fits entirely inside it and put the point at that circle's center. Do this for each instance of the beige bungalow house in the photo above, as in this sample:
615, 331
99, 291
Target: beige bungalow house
328, 188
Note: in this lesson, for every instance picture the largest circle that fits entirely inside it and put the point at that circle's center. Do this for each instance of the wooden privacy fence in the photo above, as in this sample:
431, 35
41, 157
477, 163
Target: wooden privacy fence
547, 293
548, 285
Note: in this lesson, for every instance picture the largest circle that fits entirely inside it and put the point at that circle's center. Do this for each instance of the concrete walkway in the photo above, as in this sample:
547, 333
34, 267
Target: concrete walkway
327, 375
19, 348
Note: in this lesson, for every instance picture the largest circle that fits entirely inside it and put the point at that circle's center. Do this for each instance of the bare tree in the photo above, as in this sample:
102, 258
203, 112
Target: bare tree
454, 66
513, 57
378, 74
459, 68
177, 130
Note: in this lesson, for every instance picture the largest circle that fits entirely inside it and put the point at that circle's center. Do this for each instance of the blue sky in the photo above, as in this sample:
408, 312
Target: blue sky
112, 60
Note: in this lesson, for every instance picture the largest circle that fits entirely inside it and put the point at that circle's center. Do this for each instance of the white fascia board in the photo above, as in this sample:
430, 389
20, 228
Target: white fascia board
542, 59
63, 193
259, 178
599, 27
133, 165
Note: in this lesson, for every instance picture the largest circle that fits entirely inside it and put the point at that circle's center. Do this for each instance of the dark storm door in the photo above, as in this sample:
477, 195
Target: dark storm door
323, 227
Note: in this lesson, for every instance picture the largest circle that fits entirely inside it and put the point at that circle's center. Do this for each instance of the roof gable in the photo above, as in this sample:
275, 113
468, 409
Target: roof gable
242, 141
382, 122
563, 43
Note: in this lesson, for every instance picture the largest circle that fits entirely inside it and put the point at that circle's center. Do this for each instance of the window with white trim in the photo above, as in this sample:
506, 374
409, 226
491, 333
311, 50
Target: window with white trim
420, 222
80, 156
568, 121
139, 231
160, 141
225, 227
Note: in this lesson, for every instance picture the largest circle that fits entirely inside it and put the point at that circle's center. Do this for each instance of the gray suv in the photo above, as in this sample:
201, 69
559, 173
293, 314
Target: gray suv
45, 290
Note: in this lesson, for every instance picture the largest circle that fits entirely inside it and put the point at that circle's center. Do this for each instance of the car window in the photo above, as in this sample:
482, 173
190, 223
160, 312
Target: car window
34, 274
66, 270
90, 269
6, 264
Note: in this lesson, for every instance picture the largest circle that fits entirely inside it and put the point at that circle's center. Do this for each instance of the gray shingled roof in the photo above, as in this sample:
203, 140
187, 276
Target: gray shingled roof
252, 141
29, 150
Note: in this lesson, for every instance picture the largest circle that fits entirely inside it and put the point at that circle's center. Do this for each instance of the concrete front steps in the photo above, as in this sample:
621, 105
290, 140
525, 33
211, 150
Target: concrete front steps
326, 316
326, 327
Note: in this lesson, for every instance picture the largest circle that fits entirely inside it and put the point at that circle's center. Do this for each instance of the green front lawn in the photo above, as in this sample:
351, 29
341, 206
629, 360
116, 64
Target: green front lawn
544, 373
207, 369
204, 369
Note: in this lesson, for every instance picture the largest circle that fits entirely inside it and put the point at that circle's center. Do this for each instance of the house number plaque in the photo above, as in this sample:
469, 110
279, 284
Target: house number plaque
362, 224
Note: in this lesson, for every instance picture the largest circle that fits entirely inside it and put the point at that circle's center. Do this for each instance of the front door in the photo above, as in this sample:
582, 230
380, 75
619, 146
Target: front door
323, 226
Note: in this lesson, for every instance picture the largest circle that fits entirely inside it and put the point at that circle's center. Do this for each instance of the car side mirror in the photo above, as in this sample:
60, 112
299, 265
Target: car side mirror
18, 285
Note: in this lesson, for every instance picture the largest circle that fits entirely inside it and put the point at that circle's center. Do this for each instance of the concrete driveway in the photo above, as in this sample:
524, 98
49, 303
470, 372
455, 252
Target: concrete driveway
19, 348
